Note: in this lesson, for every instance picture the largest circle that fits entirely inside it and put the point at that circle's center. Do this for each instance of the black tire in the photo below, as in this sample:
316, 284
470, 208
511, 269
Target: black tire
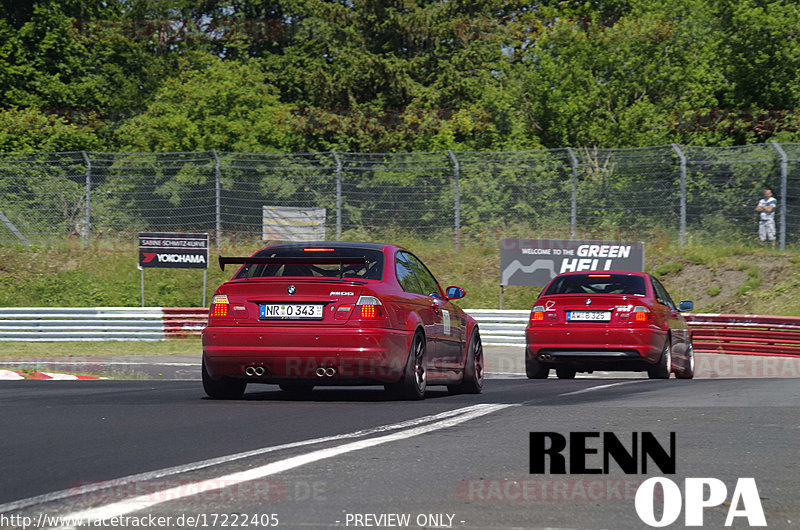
565, 373
415, 377
225, 388
662, 368
534, 369
472, 381
687, 367
297, 388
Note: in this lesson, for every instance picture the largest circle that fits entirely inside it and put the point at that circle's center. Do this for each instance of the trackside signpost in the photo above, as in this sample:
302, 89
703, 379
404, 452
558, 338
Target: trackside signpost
534, 262
173, 250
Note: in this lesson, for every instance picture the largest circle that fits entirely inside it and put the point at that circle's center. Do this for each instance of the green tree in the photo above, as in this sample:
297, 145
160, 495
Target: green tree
761, 52
619, 78
31, 130
388, 76
228, 106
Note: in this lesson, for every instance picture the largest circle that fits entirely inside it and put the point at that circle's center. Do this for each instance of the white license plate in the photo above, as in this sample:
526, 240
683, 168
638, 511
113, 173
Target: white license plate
292, 311
588, 316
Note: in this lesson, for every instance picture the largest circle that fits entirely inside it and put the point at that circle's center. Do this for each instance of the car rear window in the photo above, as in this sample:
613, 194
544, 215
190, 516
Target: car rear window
371, 270
597, 284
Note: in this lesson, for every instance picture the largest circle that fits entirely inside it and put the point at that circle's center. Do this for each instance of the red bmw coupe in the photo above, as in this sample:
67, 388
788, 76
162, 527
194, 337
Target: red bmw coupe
301, 315
608, 320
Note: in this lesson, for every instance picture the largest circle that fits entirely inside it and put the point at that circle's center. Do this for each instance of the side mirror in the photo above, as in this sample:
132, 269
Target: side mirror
685, 305
454, 293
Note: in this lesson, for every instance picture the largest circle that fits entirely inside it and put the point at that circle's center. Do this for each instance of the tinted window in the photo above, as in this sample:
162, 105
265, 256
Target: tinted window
405, 276
429, 284
371, 270
598, 284
662, 295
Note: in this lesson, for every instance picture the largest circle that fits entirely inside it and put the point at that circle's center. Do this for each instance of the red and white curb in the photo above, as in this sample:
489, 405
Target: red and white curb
13, 375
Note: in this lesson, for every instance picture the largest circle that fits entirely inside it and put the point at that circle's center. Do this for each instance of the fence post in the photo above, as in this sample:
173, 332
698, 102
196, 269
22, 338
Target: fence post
682, 159
456, 198
6, 221
218, 207
88, 229
573, 223
338, 195
784, 190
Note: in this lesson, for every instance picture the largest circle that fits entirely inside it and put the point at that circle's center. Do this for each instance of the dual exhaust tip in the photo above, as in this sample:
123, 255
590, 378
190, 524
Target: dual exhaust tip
545, 357
258, 371
254, 371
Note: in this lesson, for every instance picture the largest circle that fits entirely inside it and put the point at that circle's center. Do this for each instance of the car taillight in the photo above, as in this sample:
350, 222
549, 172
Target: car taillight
641, 314
369, 308
537, 313
219, 306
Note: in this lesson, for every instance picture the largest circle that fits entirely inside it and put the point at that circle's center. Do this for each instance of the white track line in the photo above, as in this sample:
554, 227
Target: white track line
194, 466
144, 502
601, 387
9, 375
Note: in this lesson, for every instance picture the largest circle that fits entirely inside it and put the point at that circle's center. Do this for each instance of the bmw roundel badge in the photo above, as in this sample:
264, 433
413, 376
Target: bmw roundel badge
291, 289
588, 301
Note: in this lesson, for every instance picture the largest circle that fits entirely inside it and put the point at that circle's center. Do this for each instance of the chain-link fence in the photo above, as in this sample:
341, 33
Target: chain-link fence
580, 193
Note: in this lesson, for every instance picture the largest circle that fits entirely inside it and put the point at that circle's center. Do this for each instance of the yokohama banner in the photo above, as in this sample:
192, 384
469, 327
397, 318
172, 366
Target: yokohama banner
173, 250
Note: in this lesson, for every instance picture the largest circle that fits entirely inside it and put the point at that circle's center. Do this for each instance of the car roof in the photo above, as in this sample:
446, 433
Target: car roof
331, 244
578, 273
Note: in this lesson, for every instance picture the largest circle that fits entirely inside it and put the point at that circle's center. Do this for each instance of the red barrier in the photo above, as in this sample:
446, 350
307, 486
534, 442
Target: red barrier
745, 334
184, 322
711, 332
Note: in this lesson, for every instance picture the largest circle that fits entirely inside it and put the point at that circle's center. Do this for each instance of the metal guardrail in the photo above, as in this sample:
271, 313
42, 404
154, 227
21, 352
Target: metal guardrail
498, 327
501, 327
32, 324
745, 334
712, 333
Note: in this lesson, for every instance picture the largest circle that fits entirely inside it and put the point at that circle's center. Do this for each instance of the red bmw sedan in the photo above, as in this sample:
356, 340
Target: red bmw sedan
608, 320
301, 315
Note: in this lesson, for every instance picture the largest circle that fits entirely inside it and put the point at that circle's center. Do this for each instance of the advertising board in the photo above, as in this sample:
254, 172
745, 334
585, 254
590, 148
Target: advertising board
173, 250
534, 262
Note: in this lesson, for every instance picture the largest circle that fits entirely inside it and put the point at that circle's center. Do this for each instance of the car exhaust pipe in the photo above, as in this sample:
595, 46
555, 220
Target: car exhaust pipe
326, 372
254, 371
320, 372
330, 372
545, 357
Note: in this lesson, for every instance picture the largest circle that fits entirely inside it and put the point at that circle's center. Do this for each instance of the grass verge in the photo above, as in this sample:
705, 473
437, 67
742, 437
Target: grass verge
27, 350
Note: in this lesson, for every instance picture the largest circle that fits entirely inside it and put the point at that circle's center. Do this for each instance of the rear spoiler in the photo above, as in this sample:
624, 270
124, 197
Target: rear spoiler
307, 261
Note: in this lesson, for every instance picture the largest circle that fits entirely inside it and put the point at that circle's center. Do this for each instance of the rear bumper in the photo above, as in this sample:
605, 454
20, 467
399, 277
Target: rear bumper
591, 348
357, 355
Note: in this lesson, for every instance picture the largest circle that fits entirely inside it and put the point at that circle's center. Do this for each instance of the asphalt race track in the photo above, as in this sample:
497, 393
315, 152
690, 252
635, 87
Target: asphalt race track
157, 453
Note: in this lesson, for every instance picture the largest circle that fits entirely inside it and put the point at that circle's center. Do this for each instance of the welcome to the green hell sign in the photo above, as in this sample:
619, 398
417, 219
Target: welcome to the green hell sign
534, 262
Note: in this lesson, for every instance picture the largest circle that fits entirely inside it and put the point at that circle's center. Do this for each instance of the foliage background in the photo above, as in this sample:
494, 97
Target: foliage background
743, 278
395, 75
